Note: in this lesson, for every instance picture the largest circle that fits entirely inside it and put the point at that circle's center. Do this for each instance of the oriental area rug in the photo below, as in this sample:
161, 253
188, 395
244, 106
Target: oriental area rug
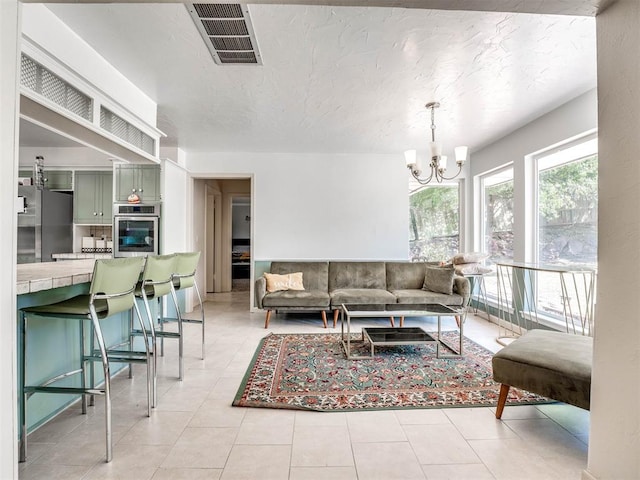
311, 372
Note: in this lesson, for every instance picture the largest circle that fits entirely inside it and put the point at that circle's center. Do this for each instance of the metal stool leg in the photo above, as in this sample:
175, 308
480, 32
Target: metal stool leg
107, 382
22, 453
201, 315
83, 373
180, 335
154, 347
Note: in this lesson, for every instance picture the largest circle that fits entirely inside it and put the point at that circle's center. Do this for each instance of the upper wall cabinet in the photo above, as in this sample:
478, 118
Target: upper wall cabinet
92, 198
142, 180
53, 179
58, 179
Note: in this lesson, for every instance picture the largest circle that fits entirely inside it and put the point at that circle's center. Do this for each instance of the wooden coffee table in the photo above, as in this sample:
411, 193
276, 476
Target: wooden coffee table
378, 336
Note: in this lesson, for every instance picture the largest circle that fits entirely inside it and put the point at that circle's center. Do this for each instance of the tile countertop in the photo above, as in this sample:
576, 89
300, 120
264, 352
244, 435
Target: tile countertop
35, 277
77, 256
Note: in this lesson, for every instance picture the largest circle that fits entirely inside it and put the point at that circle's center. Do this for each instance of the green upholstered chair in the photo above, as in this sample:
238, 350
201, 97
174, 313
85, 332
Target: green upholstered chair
157, 282
111, 292
184, 278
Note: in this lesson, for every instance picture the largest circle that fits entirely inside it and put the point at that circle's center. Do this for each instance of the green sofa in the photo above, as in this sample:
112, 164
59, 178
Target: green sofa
329, 284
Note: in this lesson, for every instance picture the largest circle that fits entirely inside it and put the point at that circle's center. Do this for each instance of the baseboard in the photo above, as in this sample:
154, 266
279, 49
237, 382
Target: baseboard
587, 476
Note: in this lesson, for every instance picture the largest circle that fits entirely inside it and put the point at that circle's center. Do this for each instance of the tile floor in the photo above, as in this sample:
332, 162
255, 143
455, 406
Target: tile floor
195, 433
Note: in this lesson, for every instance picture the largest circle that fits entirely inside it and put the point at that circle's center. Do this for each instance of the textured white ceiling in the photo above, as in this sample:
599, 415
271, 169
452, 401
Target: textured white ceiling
345, 79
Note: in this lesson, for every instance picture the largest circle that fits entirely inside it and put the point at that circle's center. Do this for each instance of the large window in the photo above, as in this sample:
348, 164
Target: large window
434, 223
497, 192
497, 225
559, 234
567, 233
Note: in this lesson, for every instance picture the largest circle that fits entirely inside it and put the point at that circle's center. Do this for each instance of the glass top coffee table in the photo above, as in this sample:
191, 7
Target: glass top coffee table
389, 336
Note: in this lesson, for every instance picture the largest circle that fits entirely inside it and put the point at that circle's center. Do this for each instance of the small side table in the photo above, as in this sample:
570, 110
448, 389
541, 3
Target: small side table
479, 291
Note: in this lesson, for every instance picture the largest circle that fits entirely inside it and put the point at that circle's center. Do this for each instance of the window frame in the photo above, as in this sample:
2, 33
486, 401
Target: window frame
545, 317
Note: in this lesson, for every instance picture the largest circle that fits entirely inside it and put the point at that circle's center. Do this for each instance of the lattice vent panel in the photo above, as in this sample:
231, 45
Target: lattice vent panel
42, 81
126, 131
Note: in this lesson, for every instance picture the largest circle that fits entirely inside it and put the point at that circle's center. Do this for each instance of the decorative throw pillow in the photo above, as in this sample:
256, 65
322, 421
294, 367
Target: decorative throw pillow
439, 279
290, 281
470, 257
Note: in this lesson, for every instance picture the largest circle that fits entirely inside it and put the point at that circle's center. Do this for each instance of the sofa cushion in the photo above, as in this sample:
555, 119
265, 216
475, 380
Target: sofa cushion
439, 279
425, 296
357, 275
404, 275
314, 274
360, 295
290, 281
296, 299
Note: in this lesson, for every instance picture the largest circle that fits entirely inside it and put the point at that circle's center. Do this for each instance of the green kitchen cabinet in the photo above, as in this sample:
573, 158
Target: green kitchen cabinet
53, 179
143, 180
93, 198
58, 179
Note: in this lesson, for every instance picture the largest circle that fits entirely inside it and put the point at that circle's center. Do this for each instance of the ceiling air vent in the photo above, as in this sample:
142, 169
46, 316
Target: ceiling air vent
227, 31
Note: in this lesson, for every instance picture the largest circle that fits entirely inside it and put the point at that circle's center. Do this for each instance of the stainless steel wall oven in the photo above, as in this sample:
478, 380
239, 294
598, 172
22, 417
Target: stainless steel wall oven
136, 229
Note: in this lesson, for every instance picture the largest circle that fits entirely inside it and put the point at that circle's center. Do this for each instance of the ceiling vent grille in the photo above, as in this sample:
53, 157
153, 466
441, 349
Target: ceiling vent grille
126, 131
227, 31
37, 78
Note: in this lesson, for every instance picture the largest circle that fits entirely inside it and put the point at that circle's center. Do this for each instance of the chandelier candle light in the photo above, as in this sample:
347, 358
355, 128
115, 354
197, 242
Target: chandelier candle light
438, 162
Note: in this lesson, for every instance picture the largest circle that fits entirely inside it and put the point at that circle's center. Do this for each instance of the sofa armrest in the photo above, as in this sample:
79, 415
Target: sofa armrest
260, 291
462, 287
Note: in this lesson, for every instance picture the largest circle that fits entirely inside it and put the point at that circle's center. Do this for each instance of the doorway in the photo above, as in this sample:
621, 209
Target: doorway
240, 243
225, 206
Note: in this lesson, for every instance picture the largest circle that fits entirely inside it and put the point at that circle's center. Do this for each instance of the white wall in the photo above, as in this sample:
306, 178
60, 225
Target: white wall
199, 234
174, 224
312, 206
614, 440
574, 118
9, 48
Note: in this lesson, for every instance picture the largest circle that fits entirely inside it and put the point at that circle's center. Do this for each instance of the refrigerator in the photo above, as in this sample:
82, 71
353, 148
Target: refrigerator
45, 223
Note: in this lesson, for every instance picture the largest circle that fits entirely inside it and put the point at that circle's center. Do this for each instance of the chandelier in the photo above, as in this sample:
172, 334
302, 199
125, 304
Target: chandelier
438, 161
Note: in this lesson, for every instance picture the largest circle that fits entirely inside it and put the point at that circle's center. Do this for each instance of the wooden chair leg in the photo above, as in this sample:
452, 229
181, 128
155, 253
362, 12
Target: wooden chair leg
335, 318
393, 322
458, 320
324, 318
266, 321
402, 321
502, 399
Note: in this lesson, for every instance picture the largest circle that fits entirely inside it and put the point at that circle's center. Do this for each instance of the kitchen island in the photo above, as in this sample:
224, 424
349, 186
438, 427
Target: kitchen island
37, 277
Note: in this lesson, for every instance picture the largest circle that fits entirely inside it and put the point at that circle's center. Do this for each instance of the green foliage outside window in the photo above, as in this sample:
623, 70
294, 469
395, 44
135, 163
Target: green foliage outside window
568, 208
499, 221
569, 187
434, 223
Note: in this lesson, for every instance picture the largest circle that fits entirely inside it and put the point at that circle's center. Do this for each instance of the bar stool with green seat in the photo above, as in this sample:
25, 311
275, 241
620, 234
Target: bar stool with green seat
111, 292
155, 284
184, 278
